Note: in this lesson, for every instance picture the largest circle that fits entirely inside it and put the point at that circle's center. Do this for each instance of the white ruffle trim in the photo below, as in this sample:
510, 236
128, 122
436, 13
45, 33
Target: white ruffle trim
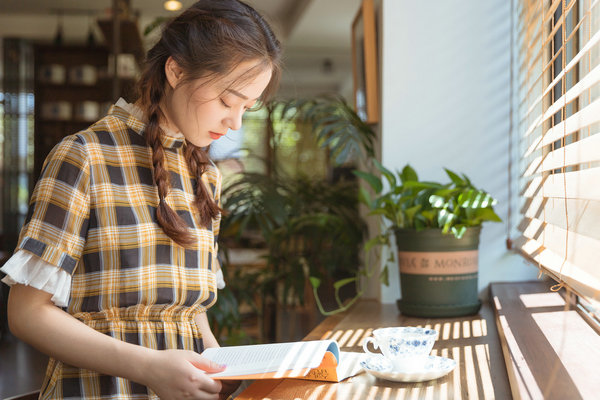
28, 269
220, 279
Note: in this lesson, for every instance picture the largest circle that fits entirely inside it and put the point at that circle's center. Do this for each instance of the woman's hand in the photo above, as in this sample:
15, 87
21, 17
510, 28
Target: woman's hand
209, 340
181, 374
172, 374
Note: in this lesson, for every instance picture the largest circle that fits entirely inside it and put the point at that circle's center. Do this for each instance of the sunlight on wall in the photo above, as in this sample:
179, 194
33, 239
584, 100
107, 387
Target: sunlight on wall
445, 103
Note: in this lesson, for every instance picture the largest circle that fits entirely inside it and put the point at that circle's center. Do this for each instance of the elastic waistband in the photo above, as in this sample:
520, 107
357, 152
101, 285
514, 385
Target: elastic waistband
142, 313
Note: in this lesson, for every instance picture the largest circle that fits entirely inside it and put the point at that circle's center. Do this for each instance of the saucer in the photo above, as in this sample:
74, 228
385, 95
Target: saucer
381, 367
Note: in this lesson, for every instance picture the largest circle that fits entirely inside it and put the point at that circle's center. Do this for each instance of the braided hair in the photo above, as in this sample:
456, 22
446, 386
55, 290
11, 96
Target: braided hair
208, 40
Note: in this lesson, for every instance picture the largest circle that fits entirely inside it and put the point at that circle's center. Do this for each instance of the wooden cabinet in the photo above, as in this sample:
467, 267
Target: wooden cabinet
72, 89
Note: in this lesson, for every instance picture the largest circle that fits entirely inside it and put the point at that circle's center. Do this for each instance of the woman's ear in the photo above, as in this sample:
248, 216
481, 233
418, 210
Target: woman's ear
173, 72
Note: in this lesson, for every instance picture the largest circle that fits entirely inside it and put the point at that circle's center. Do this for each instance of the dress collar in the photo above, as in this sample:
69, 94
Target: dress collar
135, 119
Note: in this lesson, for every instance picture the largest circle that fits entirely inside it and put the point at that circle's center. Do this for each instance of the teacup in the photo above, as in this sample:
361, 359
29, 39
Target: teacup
406, 347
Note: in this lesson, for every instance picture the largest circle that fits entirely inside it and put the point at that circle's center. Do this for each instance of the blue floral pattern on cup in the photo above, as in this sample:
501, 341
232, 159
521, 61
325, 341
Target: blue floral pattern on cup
397, 342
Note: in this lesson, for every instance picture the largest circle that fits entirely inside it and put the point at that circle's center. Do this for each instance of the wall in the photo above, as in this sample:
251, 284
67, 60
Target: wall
445, 103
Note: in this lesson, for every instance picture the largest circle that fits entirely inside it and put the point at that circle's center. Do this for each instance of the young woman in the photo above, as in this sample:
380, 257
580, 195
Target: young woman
116, 263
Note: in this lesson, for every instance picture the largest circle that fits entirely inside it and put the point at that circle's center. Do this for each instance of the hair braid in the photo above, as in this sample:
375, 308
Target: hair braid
204, 202
171, 223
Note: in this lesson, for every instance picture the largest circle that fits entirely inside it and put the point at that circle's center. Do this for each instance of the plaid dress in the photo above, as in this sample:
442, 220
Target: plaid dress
93, 214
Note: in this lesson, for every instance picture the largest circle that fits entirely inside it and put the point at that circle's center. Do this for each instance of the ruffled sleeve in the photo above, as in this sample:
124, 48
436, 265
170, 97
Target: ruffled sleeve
53, 236
28, 269
220, 279
55, 229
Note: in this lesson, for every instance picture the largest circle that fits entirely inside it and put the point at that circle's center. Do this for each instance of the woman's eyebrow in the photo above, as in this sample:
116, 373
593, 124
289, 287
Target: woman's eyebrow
238, 94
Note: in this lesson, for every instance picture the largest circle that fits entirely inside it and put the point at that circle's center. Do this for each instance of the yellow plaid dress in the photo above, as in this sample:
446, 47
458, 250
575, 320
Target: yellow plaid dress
93, 214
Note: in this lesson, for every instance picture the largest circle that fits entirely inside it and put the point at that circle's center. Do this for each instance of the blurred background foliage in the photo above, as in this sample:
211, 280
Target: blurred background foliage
290, 192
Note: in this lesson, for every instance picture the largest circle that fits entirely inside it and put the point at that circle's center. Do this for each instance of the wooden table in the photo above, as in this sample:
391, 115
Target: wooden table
472, 341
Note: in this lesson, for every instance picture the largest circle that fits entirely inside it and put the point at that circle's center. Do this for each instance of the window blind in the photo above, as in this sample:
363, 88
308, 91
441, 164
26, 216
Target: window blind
558, 86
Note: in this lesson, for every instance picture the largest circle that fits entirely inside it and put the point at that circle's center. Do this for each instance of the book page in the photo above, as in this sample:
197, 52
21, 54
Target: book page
277, 357
349, 364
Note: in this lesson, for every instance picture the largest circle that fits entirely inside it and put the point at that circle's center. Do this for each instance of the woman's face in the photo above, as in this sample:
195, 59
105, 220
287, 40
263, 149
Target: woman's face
205, 111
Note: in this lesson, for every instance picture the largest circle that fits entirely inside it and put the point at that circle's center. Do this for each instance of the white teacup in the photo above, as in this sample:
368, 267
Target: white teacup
406, 347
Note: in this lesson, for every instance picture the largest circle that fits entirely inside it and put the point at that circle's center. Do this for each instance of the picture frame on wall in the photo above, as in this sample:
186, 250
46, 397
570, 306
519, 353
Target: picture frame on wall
364, 63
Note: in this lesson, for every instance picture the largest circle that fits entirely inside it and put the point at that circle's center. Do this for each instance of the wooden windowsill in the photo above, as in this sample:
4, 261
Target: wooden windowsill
471, 341
550, 351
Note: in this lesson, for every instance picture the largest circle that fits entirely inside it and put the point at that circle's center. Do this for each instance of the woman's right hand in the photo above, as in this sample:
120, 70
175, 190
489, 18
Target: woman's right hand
181, 374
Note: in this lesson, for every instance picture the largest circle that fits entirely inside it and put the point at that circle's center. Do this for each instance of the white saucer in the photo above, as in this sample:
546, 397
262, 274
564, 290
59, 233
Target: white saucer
381, 367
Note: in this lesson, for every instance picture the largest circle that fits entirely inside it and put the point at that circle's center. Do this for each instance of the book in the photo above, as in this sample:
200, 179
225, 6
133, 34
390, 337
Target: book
316, 360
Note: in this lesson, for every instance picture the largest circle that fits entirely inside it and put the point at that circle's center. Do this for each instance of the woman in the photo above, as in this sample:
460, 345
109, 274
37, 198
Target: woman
123, 223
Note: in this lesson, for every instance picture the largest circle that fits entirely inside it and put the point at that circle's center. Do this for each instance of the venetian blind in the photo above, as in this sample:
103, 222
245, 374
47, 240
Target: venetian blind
558, 64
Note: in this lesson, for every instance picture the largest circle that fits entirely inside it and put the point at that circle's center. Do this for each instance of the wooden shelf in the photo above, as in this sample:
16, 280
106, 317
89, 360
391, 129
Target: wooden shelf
49, 131
69, 85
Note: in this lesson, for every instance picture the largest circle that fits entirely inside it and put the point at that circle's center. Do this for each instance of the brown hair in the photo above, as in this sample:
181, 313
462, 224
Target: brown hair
208, 40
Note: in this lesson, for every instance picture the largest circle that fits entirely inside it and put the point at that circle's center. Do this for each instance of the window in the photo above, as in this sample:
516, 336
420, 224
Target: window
269, 145
559, 146
17, 128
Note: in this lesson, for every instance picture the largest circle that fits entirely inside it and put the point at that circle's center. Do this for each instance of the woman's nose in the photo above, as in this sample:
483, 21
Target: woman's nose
235, 120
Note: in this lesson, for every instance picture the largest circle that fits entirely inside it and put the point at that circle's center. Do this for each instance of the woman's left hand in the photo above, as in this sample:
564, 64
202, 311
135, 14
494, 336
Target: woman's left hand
209, 340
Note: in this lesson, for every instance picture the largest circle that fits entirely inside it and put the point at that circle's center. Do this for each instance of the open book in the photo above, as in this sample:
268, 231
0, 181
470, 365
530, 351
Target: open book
317, 360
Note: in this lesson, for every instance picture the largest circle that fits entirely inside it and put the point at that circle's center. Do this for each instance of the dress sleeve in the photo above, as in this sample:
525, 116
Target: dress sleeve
56, 226
216, 229
28, 269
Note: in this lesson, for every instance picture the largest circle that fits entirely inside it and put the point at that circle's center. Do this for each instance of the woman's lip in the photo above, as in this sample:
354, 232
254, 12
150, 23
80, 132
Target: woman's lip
215, 135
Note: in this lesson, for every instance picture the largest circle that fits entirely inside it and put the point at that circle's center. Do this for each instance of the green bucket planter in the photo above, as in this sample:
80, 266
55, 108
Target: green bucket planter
438, 273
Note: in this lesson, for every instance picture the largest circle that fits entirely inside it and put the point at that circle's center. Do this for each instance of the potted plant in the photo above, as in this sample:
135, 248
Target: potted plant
437, 228
436, 225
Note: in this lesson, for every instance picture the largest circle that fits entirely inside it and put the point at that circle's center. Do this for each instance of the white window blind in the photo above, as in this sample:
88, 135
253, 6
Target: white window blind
558, 84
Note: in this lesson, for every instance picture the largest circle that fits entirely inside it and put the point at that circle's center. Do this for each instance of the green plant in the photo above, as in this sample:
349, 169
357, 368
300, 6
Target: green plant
408, 203
224, 318
336, 126
310, 227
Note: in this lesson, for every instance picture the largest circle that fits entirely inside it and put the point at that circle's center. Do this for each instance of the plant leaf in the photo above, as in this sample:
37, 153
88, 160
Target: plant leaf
315, 282
429, 215
411, 212
445, 219
343, 282
487, 214
458, 231
371, 179
364, 197
384, 276
386, 172
457, 180
408, 174
376, 241
437, 201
